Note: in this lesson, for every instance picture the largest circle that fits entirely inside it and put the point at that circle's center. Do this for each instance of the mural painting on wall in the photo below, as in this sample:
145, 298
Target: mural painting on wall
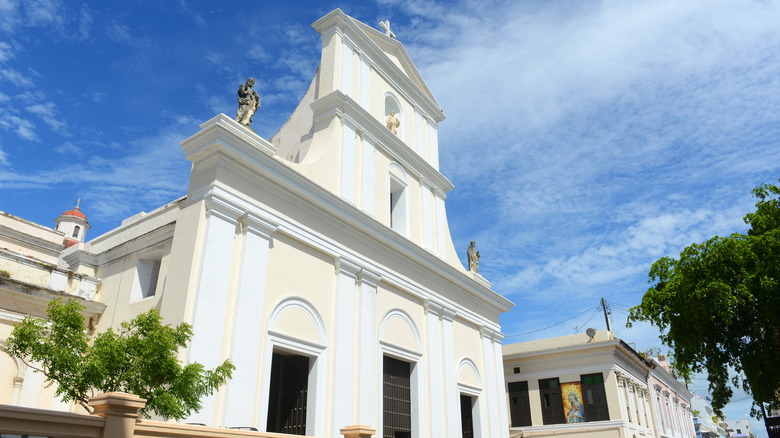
572, 402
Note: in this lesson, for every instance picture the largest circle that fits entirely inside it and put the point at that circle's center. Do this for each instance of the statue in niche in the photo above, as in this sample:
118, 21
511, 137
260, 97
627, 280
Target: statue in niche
393, 123
248, 103
473, 256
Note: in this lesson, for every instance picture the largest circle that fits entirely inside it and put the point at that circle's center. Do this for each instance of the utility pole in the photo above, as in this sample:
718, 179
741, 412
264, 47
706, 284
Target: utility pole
606, 314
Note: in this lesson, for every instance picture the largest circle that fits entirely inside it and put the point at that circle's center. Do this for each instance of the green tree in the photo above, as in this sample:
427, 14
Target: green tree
139, 358
718, 307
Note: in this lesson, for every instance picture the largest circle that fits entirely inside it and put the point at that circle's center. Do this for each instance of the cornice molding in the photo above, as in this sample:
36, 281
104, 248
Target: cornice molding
51, 249
432, 308
139, 243
257, 225
346, 267
369, 278
223, 209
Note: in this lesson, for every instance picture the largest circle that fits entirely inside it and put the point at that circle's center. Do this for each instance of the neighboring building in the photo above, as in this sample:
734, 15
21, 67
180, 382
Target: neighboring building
704, 419
739, 429
579, 386
772, 423
672, 402
30, 277
319, 262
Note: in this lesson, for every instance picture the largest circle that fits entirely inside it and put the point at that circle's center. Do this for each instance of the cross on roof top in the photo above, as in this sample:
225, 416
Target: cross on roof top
78, 202
385, 25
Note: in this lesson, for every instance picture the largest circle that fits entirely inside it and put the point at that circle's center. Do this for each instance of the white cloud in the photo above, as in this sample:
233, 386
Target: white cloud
85, 22
258, 53
194, 16
48, 113
153, 173
16, 78
15, 14
4, 157
68, 148
23, 127
120, 33
6, 51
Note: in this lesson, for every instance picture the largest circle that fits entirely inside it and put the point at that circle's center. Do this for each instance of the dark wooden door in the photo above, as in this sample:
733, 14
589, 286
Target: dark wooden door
287, 400
552, 401
594, 397
519, 404
397, 398
466, 416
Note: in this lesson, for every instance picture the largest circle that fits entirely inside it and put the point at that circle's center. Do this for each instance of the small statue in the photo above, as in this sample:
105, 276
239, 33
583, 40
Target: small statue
248, 103
473, 256
393, 123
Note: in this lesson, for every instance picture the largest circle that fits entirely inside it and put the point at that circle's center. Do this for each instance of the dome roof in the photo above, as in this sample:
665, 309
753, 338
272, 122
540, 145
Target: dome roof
76, 212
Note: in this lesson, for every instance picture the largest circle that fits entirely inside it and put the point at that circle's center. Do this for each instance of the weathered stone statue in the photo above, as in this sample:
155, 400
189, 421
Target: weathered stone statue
393, 123
473, 256
248, 103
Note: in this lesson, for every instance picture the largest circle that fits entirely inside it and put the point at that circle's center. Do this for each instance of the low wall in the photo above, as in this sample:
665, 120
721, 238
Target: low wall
116, 416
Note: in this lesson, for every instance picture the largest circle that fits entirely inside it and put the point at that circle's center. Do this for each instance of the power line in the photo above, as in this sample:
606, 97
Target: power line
614, 304
591, 317
552, 325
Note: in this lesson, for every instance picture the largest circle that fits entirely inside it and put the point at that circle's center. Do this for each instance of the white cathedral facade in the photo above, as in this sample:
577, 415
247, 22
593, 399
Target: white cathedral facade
320, 262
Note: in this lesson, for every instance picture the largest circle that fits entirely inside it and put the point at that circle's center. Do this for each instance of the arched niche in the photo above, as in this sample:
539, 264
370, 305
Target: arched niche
390, 104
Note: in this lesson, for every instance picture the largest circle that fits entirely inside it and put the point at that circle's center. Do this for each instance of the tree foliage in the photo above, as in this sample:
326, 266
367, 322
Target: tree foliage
139, 358
718, 306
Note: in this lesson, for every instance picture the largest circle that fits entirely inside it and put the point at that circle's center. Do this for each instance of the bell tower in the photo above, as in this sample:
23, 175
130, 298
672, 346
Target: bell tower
73, 223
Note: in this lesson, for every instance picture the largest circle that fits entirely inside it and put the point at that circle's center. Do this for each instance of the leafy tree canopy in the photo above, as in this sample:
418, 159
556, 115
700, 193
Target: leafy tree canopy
139, 358
718, 306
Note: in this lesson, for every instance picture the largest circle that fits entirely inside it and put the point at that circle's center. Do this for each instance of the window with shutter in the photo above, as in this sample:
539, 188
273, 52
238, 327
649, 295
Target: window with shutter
594, 397
519, 404
552, 401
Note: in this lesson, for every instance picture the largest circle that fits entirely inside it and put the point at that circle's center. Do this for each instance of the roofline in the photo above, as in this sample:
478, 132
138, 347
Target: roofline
385, 67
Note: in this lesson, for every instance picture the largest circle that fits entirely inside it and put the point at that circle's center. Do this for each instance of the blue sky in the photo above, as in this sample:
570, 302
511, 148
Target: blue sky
584, 139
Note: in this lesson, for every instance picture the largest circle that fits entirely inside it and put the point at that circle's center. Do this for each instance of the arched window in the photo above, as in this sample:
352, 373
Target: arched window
294, 369
76, 230
402, 375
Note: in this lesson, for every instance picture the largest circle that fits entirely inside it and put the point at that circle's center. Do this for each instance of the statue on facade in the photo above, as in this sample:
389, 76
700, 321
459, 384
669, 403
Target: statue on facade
473, 256
393, 123
248, 103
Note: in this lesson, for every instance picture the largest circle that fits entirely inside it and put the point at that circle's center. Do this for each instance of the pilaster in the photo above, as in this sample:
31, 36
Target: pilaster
500, 395
446, 317
368, 339
210, 308
240, 407
441, 222
487, 335
427, 213
434, 356
344, 378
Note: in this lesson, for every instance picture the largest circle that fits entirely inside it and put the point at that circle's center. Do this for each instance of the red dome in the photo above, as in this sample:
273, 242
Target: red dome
76, 213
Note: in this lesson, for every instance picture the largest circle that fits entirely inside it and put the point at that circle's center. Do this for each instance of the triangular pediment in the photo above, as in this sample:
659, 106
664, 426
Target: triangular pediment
395, 52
